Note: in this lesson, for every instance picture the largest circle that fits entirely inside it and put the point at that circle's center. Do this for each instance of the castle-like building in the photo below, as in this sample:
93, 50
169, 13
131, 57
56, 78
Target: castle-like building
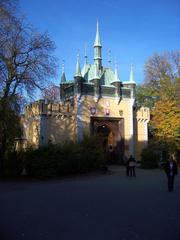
96, 101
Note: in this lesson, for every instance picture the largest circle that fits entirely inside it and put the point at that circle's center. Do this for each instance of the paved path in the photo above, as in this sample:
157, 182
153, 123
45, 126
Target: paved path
107, 207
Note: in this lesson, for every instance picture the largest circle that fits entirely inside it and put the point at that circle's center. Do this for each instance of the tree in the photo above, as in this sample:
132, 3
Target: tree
144, 96
166, 122
161, 92
161, 69
162, 78
26, 63
51, 94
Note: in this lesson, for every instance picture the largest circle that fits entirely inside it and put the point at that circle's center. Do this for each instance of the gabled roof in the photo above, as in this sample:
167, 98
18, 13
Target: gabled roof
106, 75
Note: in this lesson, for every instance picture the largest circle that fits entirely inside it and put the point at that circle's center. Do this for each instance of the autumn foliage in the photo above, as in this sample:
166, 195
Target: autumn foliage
161, 92
166, 121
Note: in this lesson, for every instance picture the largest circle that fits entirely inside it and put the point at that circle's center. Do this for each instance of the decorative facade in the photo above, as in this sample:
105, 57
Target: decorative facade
96, 101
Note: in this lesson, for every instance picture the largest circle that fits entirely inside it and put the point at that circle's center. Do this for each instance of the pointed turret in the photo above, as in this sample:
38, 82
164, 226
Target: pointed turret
78, 78
117, 83
131, 78
97, 42
62, 84
78, 69
63, 76
132, 82
85, 67
97, 49
116, 75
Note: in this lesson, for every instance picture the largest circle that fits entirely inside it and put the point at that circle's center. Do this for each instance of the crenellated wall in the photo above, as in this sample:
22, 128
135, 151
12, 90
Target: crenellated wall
49, 122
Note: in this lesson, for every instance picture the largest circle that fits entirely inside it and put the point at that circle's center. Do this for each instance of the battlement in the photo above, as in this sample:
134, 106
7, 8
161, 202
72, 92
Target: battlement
143, 115
40, 107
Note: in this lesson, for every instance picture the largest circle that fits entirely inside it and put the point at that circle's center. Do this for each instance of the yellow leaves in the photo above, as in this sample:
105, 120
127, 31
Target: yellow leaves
165, 118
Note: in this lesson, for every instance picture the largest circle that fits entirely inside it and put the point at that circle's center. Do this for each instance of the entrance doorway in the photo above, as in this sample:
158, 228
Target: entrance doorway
111, 132
107, 139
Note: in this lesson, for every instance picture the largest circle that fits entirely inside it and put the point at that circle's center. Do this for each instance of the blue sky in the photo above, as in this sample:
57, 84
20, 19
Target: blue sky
132, 30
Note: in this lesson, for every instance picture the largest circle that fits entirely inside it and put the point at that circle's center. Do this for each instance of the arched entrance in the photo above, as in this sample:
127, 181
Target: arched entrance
111, 131
107, 138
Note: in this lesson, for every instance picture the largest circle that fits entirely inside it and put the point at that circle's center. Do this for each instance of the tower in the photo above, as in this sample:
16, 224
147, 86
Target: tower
78, 78
62, 83
97, 49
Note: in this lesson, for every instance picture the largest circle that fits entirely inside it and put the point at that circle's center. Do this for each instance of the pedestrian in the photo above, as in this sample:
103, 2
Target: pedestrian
132, 164
171, 170
111, 154
126, 161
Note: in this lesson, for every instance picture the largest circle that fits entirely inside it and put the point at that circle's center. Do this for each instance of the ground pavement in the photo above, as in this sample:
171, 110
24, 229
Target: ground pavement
107, 207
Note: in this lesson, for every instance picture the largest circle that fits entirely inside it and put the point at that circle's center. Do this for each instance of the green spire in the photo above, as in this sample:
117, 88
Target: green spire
131, 79
116, 75
78, 69
85, 67
63, 76
97, 49
97, 42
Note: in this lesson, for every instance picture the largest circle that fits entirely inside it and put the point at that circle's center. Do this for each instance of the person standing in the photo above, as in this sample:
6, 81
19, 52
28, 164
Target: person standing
111, 154
126, 163
171, 170
132, 164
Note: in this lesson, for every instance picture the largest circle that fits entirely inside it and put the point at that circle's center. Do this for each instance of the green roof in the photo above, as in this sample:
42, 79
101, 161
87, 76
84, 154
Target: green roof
106, 75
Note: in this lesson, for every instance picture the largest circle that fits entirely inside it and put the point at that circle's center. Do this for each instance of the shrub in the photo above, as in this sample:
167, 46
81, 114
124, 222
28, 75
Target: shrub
70, 157
149, 158
41, 162
13, 163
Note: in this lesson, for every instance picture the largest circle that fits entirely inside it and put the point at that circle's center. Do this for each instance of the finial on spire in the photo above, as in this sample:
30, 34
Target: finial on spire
63, 77
78, 69
131, 79
97, 41
109, 57
116, 72
63, 66
85, 53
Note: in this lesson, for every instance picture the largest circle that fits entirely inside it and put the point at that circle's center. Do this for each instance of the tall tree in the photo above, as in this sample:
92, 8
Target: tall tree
163, 64
166, 122
161, 92
26, 63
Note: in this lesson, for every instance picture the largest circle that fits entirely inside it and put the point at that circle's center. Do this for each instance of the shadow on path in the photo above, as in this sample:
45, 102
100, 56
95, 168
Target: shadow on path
107, 207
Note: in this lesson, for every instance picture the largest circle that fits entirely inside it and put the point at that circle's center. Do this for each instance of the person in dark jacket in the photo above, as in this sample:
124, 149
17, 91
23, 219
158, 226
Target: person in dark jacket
132, 164
171, 170
126, 162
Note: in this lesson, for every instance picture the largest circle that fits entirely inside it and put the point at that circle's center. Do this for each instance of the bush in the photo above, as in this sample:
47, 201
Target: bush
13, 163
149, 158
41, 162
70, 157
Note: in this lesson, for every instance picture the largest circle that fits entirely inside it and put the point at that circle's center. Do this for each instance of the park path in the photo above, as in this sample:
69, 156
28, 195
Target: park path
107, 207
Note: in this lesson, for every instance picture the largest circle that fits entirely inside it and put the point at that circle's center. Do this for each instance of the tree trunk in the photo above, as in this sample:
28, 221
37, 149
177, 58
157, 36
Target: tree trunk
2, 152
3, 140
